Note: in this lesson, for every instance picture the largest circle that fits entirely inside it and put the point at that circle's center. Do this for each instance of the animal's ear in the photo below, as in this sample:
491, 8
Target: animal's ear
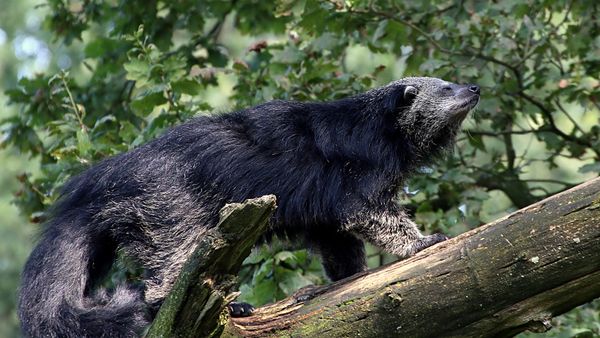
410, 93
402, 96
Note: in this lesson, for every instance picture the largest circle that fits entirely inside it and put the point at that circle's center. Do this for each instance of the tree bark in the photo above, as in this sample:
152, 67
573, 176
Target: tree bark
500, 279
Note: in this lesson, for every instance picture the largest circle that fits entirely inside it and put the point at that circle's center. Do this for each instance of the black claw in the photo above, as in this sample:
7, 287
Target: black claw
436, 238
240, 309
303, 298
304, 294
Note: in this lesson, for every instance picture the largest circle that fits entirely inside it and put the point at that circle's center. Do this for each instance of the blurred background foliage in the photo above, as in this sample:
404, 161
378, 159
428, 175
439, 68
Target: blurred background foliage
89, 79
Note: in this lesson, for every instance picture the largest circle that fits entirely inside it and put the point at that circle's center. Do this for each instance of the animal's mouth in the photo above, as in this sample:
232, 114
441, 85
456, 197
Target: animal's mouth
463, 108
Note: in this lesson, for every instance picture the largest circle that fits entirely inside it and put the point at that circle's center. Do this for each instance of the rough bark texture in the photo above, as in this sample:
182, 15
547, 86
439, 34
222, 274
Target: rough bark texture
195, 305
500, 279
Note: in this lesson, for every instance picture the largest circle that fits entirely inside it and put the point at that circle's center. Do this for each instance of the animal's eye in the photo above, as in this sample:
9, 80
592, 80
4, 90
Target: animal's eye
447, 89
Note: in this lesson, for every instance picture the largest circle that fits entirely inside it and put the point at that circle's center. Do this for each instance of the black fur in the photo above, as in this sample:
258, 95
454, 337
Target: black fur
335, 168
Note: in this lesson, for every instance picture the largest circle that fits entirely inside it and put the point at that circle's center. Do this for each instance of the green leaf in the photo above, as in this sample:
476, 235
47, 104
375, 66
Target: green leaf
257, 256
380, 31
476, 141
128, 132
431, 65
83, 141
264, 271
145, 104
290, 280
590, 168
137, 70
260, 293
187, 86
289, 55
326, 41
286, 257
97, 48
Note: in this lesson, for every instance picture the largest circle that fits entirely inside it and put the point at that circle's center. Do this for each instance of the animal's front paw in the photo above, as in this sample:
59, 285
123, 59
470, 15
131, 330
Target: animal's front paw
430, 240
240, 309
436, 238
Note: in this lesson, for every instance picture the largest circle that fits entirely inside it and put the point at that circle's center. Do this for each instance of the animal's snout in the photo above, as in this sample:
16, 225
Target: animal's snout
474, 89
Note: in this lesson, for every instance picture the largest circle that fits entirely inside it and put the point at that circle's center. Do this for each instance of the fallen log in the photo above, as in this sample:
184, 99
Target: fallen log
505, 277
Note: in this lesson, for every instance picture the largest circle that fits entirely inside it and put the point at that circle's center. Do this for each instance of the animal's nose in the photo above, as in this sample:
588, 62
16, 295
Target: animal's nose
474, 89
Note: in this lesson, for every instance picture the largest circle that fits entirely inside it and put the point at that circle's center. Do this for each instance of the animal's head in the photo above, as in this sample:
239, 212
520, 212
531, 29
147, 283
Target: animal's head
428, 111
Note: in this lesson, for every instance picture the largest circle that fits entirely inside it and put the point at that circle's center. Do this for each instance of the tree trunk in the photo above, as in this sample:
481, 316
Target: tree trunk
500, 279
194, 306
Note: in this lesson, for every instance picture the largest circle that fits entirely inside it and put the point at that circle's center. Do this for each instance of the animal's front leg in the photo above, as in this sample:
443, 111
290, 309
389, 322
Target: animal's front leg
392, 230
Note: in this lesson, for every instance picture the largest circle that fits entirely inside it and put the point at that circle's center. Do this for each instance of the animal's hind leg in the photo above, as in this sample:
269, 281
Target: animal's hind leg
162, 262
342, 253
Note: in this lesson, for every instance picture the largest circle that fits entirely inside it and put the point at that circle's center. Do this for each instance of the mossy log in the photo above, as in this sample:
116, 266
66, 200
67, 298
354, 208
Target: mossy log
500, 279
194, 307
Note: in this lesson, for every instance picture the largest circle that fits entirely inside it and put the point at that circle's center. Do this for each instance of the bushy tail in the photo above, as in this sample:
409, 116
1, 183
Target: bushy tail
56, 299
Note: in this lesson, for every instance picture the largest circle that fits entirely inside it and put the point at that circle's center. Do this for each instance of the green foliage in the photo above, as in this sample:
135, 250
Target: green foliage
141, 69
154, 67
271, 273
13, 247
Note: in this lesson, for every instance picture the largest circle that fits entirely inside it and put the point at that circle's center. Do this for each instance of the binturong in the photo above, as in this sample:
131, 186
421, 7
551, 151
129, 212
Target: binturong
335, 167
